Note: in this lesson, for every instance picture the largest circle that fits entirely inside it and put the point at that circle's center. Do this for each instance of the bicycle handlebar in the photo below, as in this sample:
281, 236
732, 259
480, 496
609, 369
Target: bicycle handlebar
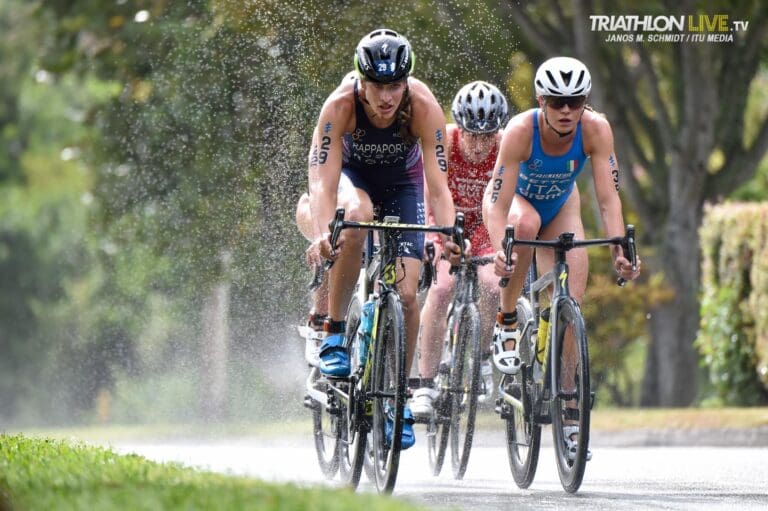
338, 224
565, 242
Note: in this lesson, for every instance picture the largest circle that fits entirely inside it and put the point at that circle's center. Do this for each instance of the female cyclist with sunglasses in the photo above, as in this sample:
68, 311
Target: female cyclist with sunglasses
534, 189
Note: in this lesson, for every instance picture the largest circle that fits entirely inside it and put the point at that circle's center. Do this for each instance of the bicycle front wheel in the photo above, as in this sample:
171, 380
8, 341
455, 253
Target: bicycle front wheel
438, 427
327, 427
522, 431
465, 386
354, 425
572, 402
389, 389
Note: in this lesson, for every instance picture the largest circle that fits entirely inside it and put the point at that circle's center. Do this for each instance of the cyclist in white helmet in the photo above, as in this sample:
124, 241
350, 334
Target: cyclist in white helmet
479, 112
534, 189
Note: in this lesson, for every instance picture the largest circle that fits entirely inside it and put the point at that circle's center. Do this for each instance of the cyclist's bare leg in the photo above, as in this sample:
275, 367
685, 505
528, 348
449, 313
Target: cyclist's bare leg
527, 223
346, 193
488, 303
407, 286
346, 269
569, 220
433, 317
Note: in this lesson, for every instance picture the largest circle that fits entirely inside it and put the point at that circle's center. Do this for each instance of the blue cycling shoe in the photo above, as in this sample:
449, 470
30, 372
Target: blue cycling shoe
334, 358
408, 438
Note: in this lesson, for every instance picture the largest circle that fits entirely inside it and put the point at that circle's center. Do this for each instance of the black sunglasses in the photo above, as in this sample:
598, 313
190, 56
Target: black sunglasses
573, 102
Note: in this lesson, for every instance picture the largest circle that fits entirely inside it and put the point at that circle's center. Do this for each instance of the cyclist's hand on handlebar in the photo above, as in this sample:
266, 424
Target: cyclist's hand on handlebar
624, 268
323, 243
500, 264
451, 252
313, 255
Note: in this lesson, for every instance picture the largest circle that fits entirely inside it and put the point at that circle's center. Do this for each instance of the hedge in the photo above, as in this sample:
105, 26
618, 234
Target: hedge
733, 335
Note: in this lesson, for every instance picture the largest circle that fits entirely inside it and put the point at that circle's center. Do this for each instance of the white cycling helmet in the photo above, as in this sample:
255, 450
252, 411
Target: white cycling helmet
562, 76
479, 107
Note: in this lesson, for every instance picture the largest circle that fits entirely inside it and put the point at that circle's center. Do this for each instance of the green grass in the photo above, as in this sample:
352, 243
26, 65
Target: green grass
618, 419
47, 474
168, 432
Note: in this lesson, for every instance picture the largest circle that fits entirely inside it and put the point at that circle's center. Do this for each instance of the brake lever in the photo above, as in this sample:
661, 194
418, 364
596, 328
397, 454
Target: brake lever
335, 227
629, 249
508, 243
428, 275
317, 278
458, 238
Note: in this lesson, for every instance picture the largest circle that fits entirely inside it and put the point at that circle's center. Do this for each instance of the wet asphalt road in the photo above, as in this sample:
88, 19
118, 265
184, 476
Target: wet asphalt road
623, 474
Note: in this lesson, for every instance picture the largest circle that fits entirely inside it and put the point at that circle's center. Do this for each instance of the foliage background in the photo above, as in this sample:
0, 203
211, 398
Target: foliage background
152, 152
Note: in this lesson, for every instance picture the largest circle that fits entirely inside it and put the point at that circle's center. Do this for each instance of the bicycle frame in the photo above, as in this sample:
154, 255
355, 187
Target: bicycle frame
376, 388
557, 278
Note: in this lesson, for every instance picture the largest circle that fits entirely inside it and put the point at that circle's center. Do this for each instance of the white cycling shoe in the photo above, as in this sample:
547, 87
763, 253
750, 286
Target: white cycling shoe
506, 360
572, 444
422, 405
312, 341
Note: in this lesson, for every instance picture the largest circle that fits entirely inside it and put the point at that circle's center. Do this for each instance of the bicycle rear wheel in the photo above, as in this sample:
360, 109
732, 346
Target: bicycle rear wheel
326, 425
465, 386
389, 388
522, 431
354, 426
438, 428
572, 403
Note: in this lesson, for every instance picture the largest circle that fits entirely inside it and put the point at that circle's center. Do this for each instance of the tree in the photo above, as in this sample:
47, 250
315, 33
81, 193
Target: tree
678, 112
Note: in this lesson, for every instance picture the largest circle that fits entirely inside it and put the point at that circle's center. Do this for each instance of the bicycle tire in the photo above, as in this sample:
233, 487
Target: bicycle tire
571, 472
523, 433
326, 428
465, 387
440, 424
368, 461
354, 428
389, 390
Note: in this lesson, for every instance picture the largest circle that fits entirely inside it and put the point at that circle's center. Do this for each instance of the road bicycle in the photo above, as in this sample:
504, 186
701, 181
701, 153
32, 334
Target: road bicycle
376, 390
553, 385
458, 379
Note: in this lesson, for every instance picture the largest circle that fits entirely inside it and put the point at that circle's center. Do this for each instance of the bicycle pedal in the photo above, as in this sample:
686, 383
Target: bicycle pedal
310, 403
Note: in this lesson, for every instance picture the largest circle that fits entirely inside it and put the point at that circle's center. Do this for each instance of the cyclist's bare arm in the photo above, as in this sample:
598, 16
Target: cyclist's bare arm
515, 146
598, 142
429, 126
335, 119
427, 198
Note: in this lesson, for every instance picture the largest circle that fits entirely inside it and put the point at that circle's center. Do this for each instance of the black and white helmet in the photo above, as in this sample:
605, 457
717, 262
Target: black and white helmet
479, 107
562, 76
384, 56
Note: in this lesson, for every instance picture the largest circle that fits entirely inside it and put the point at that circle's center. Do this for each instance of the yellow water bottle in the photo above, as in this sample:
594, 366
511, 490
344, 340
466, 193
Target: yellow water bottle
542, 338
